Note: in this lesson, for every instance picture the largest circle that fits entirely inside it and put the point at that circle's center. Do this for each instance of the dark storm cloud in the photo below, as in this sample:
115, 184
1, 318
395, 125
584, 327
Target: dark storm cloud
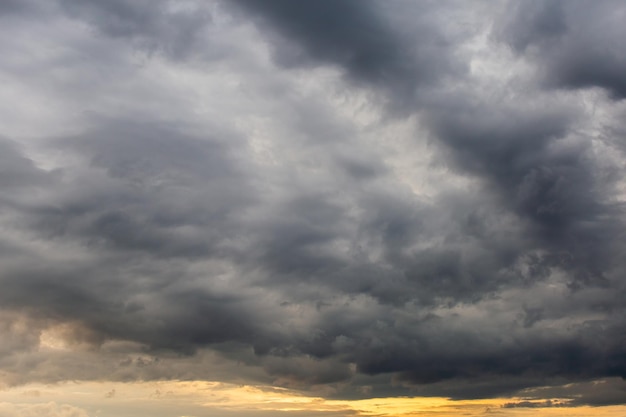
310, 257
523, 153
601, 392
355, 36
528, 158
136, 204
572, 359
577, 44
132, 209
546, 175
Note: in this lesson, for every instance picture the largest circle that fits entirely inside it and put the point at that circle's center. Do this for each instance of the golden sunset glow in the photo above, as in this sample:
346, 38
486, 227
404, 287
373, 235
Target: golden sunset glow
197, 397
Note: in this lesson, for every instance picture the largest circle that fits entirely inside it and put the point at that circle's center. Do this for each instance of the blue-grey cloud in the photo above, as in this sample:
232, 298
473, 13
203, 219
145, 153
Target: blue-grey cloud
575, 44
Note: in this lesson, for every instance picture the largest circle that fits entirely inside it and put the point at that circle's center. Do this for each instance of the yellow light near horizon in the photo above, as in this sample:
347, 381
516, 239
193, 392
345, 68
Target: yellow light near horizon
193, 398
422, 406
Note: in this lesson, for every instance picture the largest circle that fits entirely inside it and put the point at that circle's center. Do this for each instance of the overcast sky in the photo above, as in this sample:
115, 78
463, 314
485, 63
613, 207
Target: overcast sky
335, 200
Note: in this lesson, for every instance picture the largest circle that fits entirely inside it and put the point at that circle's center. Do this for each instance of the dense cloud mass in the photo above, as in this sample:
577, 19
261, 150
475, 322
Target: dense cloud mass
576, 46
357, 198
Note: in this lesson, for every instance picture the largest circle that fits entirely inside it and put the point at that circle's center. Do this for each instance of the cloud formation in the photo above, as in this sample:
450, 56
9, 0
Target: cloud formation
329, 196
566, 37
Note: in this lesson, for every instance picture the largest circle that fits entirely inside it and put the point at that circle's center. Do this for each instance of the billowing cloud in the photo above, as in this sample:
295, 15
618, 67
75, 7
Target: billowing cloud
344, 197
566, 37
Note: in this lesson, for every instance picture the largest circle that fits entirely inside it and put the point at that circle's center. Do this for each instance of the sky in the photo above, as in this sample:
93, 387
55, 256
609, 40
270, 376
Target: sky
321, 208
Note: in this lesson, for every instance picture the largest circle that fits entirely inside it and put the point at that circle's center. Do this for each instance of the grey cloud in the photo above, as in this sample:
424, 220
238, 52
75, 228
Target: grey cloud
576, 43
547, 178
162, 318
357, 37
536, 404
12, 6
17, 171
305, 371
600, 392
148, 166
441, 370
19, 334
158, 26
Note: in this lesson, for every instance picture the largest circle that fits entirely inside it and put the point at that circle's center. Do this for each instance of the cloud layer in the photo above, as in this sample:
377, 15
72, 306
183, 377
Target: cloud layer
359, 198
